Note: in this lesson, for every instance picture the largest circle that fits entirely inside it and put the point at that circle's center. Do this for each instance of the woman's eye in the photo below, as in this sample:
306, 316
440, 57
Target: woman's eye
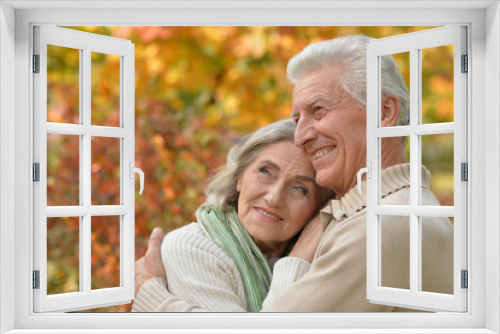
302, 190
264, 171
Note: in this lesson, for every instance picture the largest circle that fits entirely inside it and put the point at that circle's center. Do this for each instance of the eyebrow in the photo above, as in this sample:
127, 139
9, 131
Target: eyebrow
295, 114
298, 177
313, 101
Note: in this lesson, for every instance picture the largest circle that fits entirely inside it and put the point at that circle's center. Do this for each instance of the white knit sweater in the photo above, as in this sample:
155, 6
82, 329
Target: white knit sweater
202, 274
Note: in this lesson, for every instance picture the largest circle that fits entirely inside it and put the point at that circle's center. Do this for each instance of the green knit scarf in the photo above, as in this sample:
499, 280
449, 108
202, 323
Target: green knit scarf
226, 230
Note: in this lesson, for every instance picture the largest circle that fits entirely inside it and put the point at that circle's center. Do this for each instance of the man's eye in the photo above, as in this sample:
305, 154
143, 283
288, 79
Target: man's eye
318, 110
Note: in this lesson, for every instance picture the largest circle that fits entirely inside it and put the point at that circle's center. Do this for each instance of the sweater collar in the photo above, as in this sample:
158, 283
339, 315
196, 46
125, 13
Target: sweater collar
392, 178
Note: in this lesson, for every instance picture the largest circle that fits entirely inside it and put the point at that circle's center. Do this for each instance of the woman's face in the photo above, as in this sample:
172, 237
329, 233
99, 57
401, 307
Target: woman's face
278, 196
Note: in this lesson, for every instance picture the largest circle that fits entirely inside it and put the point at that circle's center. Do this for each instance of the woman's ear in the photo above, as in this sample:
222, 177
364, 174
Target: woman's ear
238, 187
390, 110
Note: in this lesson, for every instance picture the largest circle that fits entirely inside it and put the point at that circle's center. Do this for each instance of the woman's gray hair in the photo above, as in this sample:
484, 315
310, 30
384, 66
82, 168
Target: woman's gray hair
349, 53
221, 191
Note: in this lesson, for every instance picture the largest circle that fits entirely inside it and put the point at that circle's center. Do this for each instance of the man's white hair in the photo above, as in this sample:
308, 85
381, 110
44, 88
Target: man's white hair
349, 54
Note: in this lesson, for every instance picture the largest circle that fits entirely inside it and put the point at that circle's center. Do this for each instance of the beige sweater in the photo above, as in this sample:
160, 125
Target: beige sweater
336, 280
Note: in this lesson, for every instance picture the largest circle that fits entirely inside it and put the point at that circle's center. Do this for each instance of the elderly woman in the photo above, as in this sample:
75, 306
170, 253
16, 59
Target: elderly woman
255, 206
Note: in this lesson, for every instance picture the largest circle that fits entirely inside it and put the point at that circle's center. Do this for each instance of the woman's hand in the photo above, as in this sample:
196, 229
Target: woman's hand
150, 265
308, 241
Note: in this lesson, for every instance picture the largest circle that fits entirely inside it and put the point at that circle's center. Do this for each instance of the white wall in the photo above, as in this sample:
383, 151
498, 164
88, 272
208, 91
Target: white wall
492, 153
488, 151
7, 161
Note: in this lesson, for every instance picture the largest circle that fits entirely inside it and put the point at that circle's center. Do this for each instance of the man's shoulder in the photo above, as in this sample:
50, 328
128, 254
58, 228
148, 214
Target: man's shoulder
354, 226
399, 196
350, 231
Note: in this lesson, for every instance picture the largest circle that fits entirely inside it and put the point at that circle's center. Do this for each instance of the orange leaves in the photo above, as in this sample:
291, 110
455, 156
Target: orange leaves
105, 252
168, 191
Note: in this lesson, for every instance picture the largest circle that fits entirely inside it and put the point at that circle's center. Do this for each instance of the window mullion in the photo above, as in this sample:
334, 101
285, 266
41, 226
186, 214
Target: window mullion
85, 246
127, 110
415, 93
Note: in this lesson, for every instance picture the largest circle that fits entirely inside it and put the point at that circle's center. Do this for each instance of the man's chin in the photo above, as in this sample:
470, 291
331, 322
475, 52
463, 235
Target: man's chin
325, 179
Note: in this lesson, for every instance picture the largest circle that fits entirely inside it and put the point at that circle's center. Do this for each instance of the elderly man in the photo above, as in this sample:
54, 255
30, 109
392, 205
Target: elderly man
329, 107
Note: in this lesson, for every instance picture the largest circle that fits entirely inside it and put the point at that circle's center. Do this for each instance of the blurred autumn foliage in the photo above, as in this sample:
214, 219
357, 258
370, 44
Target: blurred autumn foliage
197, 91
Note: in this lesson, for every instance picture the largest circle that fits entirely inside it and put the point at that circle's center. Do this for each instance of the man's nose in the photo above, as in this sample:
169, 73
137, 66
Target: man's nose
304, 132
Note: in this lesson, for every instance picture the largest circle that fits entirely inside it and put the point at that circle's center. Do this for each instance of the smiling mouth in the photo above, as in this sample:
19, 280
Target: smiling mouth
322, 153
267, 214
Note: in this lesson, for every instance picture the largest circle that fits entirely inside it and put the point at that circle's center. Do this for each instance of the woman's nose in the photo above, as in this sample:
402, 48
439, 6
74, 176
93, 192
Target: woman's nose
274, 195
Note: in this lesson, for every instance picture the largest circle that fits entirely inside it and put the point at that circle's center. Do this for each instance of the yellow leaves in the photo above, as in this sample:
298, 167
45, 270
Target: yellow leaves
269, 96
176, 73
437, 102
441, 86
216, 34
287, 42
151, 55
284, 111
445, 110
250, 46
214, 115
155, 66
231, 104
233, 75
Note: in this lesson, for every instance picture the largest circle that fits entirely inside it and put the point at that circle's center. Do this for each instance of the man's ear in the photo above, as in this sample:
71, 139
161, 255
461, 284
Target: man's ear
390, 110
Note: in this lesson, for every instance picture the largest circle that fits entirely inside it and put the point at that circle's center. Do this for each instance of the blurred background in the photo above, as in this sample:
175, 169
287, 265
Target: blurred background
197, 91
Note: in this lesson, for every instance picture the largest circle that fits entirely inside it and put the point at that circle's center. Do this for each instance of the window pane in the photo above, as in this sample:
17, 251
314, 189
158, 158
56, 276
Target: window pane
63, 170
63, 257
105, 171
437, 84
385, 151
437, 254
395, 250
105, 89
105, 252
437, 156
63, 84
400, 89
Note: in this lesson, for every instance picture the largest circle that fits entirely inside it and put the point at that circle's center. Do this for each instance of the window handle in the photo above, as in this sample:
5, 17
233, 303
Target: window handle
368, 171
133, 170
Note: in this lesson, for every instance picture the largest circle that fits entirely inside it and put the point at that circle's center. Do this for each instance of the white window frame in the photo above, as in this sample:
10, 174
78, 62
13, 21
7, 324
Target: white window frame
16, 21
85, 43
413, 44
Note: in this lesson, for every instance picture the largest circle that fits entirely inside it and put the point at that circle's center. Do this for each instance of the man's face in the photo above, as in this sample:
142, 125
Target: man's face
331, 128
